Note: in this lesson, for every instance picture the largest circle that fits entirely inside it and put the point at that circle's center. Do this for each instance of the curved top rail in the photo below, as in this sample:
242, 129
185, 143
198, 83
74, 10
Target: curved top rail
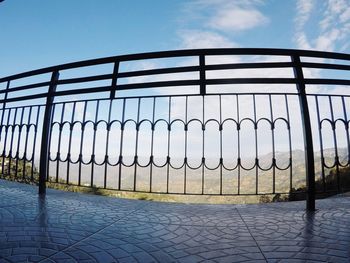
183, 53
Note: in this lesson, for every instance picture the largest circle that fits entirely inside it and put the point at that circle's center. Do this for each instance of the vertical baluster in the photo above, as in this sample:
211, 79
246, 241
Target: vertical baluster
93, 156
186, 139
202, 90
168, 157
273, 147
220, 130
256, 148
321, 144
11, 143
107, 144
26, 141
112, 97
137, 142
152, 144
203, 142
19, 141
59, 142
290, 145
238, 148
335, 144
34, 143
49, 145
121, 147
81, 142
71, 126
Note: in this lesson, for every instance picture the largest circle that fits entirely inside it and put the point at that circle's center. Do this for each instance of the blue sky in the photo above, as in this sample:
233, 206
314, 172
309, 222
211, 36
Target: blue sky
38, 33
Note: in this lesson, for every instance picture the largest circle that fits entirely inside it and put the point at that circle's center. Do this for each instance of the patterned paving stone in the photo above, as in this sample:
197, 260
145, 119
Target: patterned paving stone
185, 214
72, 227
298, 235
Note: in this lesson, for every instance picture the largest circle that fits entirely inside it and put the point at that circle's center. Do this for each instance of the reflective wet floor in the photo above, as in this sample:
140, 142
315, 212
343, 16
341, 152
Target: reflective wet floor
73, 227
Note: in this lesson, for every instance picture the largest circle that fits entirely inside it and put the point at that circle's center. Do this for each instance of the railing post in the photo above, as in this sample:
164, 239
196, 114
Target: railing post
202, 86
44, 152
114, 80
307, 132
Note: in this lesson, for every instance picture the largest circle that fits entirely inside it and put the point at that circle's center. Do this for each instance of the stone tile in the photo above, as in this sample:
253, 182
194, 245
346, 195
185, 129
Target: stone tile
118, 253
240, 258
161, 256
72, 227
103, 256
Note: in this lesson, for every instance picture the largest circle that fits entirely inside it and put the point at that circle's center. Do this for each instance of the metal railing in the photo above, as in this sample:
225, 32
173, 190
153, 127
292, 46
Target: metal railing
190, 129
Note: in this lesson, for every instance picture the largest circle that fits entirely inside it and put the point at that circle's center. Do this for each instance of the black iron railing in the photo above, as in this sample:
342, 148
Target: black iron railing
207, 122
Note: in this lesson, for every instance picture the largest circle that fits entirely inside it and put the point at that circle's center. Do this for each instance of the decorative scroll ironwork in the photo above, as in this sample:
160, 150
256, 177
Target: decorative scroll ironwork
180, 129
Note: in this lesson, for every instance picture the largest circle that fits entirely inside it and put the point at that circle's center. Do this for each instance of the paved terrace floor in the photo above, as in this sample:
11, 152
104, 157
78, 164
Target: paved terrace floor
72, 227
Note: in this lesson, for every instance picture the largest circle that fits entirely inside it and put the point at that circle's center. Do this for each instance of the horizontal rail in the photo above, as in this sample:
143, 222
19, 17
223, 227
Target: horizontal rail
140, 73
249, 65
84, 79
325, 66
250, 81
159, 84
26, 87
327, 81
183, 53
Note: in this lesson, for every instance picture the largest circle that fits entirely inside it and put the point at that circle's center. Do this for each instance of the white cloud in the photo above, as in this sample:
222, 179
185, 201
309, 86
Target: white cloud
330, 33
334, 26
237, 19
345, 16
302, 41
304, 9
204, 39
336, 13
337, 6
224, 16
327, 41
